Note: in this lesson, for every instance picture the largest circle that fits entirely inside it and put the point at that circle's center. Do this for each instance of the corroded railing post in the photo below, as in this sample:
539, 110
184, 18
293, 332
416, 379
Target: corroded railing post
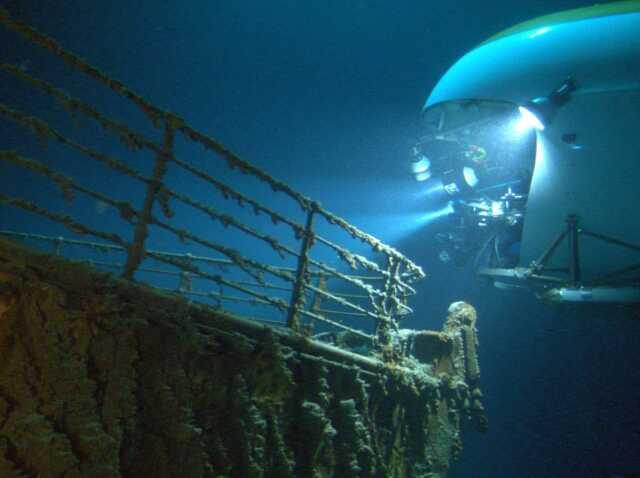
387, 311
135, 251
297, 295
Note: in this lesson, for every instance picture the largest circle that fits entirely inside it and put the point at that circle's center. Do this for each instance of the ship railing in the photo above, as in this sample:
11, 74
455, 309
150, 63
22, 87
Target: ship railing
374, 285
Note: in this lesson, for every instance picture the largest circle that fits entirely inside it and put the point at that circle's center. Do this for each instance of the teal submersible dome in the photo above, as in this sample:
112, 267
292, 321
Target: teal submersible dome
530, 144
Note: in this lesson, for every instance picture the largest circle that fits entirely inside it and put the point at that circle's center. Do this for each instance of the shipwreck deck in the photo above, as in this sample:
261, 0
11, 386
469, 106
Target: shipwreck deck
103, 377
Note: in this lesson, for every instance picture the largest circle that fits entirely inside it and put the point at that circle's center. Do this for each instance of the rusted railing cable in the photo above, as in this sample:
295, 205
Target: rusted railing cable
181, 255
353, 280
42, 129
235, 162
352, 296
65, 183
276, 302
341, 301
118, 265
137, 140
192, 257
226, 251
243, 263
159, 116
63, 219
242, 199
355, 260
100, 246
73, 106
340, 325
118, 204
387, 304
228, 192
227, 220
78, 227
155, 114
376, 244
216, 295
340, 312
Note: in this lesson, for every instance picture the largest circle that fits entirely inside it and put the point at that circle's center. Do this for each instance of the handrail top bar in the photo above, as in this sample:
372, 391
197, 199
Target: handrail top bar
179, 255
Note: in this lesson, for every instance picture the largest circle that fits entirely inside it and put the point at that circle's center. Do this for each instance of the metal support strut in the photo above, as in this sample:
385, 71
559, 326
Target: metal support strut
297, 296
574, 249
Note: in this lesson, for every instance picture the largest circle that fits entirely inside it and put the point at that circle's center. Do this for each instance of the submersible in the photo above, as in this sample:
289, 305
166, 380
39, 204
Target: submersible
532, 140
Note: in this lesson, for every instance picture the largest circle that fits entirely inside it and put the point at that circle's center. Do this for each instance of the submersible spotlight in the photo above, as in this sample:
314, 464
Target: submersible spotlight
528, 120
421, 165
470, 176
460, 181
540, 111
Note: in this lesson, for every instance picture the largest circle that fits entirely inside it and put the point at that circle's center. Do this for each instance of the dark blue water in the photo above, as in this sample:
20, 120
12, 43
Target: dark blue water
326, 95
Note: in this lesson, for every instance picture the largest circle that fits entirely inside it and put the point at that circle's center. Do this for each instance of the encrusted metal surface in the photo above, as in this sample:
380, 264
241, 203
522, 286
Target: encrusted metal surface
379, 292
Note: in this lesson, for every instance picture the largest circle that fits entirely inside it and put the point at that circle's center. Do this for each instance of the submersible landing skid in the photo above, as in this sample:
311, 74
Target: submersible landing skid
565, 283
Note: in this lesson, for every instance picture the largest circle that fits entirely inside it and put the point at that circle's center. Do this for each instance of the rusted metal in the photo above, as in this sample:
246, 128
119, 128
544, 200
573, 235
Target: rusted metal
383, 303
63, 219
157, 116
136, 248
387, 312
297, 295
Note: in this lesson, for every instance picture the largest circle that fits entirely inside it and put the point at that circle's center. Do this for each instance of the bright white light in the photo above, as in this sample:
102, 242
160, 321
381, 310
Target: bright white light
470, 176
540, 31
423, 176
432, 216
496, 209
527, 121
421, 165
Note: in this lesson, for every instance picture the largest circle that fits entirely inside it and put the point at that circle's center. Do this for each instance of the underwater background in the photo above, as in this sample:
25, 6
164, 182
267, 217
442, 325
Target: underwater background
326, 96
